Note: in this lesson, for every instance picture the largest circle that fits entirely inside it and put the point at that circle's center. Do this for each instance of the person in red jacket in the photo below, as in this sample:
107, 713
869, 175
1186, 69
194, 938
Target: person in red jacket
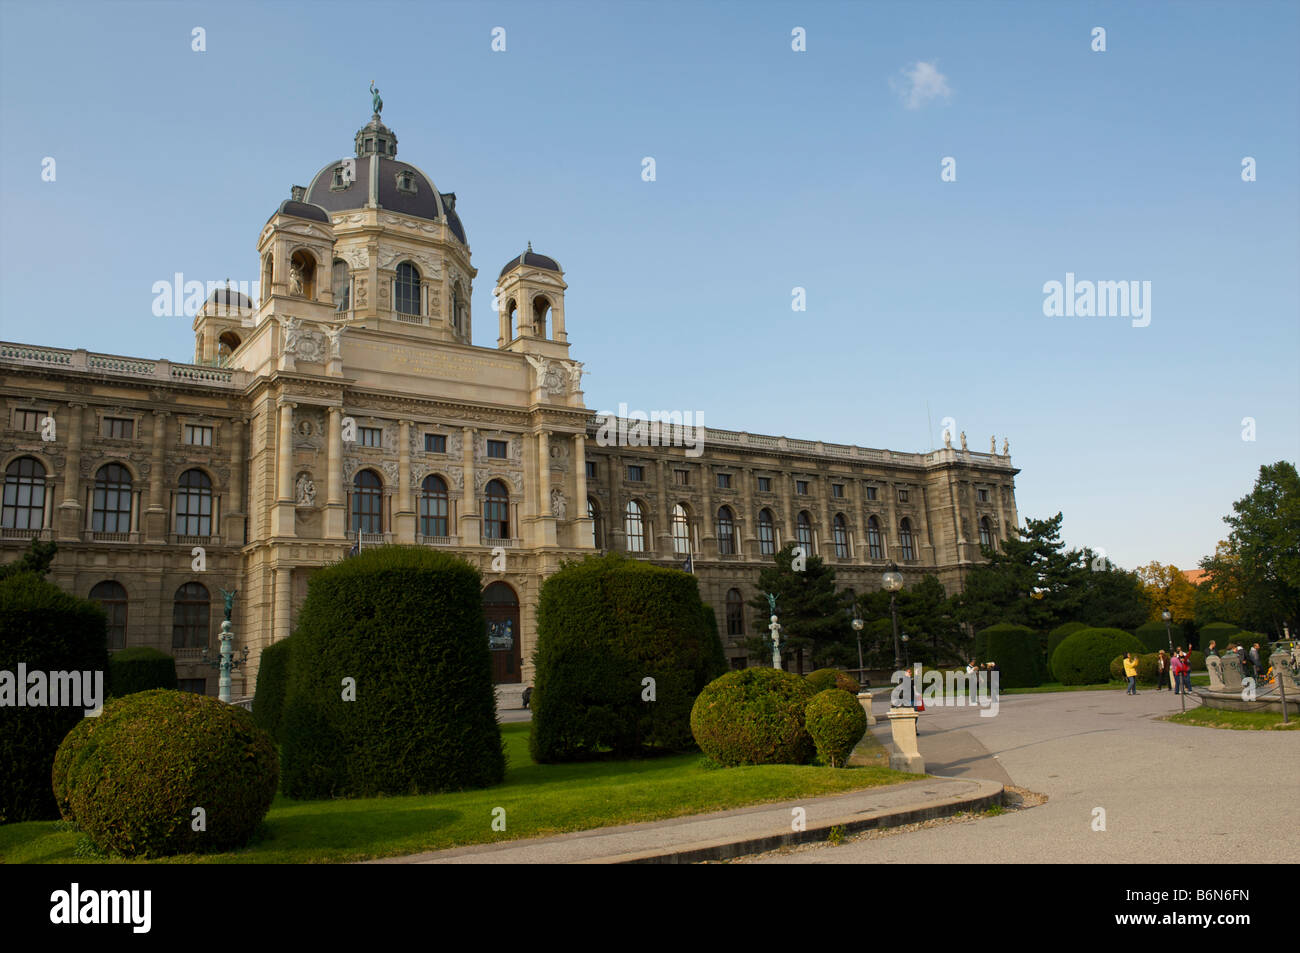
1178, 665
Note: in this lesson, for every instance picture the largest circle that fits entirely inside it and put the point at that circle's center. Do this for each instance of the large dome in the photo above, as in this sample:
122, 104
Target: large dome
375, 176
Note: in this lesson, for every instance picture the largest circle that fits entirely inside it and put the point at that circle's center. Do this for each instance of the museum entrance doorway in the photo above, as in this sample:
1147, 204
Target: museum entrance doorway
501, 610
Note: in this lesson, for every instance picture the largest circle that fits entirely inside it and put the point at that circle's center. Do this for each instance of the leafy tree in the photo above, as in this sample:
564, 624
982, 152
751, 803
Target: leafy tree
812, 614
1262, 559
1166, 587
36, 560
1110, 598
925, 613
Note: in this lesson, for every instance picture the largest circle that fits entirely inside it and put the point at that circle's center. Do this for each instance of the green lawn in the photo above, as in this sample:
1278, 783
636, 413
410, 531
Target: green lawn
1241, 720
538, 799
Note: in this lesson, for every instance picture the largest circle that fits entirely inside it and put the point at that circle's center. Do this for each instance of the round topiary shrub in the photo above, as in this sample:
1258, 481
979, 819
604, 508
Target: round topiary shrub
1153, 636
753, 716
1084, 658
63, 759
605, 626
836, 723
272, 684
53, 636
134, 780
139, 669
1059, 635
390, 680
1017, 651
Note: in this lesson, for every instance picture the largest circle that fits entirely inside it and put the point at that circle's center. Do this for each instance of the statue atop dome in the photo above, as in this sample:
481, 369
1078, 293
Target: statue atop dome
376, 101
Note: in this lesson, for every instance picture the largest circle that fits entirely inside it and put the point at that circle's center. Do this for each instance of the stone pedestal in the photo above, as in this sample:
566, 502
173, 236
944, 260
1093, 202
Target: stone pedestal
906, 756
864, 699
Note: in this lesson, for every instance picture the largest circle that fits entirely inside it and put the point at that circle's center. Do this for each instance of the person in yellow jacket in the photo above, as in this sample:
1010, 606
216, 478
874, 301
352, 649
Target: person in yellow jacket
1131, 670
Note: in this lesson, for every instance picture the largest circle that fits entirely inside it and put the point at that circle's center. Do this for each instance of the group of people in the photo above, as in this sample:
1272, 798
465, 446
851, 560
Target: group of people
1251, 662
1180, 666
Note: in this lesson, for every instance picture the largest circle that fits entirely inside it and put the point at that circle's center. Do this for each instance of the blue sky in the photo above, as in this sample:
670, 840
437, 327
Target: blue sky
775, 169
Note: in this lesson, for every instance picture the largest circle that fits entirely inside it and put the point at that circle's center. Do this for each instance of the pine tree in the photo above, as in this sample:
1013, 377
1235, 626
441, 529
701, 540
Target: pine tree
814, 621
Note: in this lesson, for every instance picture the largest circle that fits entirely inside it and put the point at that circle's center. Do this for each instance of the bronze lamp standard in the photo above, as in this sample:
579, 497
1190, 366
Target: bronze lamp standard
892, 581
857, 630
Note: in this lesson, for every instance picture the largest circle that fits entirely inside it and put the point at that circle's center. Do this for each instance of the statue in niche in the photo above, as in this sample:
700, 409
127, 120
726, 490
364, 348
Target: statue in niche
306, 490
558, 505
295, 278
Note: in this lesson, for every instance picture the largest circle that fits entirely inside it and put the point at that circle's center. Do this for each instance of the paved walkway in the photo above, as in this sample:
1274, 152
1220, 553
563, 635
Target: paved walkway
1171, 793
730, 833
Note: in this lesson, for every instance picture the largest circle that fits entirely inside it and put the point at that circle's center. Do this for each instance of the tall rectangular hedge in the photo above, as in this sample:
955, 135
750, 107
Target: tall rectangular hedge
1018, 652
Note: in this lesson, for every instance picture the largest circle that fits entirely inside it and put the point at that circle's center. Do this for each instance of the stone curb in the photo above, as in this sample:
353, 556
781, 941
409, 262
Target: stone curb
990, 794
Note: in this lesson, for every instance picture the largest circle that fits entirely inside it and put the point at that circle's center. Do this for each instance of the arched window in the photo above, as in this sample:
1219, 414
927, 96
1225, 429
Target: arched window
190, 617
459, 316
541, 307
111, 510
681, 531
367, 502
905, 539
406, 290
874, 545
735, 612
634, 527
227, 345
841, 531
194, 504
112, 599
726, 532
433, 507
803, 532
593, 514
24, 496
512, 310
496, 511
986, 533
341, 286
766, 533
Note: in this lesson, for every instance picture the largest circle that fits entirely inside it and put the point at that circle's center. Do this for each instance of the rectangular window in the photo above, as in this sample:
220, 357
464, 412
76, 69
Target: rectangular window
198, 436
497, 449
370, 436
28, 419
871, 492
983, 495
682, 477
902, 496
435, 443
801, 487
199, 686
837, 491
724, 481
764, 484
120, 427
636, 474
591, 470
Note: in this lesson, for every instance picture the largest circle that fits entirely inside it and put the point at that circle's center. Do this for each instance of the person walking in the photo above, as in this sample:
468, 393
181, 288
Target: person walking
1162, 669
1131, 671
1254, 658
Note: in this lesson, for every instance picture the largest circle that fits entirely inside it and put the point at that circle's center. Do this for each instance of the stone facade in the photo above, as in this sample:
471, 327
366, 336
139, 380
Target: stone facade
246, 469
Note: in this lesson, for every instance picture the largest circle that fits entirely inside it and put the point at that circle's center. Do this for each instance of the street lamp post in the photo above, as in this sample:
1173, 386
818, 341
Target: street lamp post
892, 581
1182, 689
857, 630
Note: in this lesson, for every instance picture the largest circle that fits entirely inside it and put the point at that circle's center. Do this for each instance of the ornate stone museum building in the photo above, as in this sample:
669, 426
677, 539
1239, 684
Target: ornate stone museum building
348, 406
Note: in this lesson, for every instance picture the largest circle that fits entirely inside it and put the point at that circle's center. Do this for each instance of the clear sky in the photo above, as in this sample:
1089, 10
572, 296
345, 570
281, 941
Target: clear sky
775, 169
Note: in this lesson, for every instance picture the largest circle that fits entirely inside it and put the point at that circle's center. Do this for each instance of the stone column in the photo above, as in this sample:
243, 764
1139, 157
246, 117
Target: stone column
893, 552
282, 517
155, 517
469, 514
404, 512
663, 542
708, 540
1004, 531
616, 532
545, 516
232, 520
787, 504
582, 528
336, 517
283, 602
70, 511
826, 543
748, 520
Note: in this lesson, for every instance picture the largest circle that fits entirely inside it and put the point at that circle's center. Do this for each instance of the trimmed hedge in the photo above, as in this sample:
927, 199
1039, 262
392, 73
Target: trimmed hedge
718, 655
754, 716
140, 669
47, 630
1146, 669
1196, 660
272, 686
1059, 635
825, 678
63, 758
1017, 651
1219, 632
836, 722
1152, 635
604, 626
134, 779
405, 624
1084, 658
